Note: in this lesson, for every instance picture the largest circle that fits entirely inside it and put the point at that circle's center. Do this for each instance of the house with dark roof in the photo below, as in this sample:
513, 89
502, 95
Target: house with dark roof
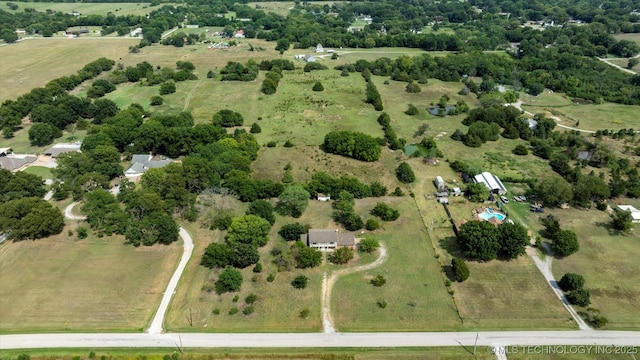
325, 239
140, 163
13, 162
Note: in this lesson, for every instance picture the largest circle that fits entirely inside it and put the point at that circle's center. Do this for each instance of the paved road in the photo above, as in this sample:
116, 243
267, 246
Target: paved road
158, 319
321, 340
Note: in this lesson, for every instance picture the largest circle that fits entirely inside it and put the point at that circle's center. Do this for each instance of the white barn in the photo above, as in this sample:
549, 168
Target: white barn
635, 213
492, 182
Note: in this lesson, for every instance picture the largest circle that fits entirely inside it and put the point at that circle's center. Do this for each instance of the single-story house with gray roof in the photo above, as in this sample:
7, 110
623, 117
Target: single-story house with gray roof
325, 239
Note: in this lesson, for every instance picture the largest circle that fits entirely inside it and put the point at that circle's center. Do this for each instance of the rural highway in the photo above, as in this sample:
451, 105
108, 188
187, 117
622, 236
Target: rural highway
321, 340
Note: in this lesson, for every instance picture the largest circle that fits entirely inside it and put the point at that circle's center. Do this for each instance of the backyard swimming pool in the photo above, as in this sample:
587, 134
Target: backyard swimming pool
486, 215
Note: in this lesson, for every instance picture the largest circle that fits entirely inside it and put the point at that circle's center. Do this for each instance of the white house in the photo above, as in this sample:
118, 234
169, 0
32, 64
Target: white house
492, 182
319, 48
635, 213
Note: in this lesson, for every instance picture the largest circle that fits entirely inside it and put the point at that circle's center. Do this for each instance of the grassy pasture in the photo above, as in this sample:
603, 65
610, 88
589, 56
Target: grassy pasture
34, 62
631, 37
592, 117
88, 285
415, 292
41, 171
85, 9
21, 145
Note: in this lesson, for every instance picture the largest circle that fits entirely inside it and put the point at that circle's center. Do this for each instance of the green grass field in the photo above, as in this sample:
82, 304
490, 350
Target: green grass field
591, 117
85, 9
41, 171
81, 285
415, 293
37, 61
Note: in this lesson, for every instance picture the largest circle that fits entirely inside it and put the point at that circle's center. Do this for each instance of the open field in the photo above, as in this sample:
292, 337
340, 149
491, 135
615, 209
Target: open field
591, 117
95, 284
623, 63
21, 145
85, 9
34, 62
356, 353
631, 36
415, 292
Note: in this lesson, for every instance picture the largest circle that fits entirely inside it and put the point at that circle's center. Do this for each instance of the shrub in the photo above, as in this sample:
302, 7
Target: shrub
210, 74
571, 281
318, 86
300, 282
520, 150
168, 87
460, 269
271, 143
372, 224
257, 268
369, 245
304, 313
236, 298
216, 311
82, 232
251, 298
385, 212
580, 297
405, 174
156, 100
341, 256
397, 192
288, 144
292, 232
271, 278
229, 280
378, 281
255, 128
411, 110
234, 310
413, 88
382, 304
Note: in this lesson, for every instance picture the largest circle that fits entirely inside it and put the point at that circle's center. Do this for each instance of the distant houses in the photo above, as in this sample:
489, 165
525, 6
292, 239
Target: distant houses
328, 239
142, 162
492, 182
239, 34
62, 148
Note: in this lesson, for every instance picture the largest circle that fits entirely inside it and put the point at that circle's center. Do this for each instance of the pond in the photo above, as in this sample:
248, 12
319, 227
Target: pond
434, 109
410, 149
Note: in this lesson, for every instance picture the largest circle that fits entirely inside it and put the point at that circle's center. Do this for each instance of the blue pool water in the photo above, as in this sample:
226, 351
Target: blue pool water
488, 215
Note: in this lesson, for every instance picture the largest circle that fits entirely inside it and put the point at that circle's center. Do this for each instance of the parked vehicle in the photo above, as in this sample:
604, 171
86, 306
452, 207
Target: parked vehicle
504, 199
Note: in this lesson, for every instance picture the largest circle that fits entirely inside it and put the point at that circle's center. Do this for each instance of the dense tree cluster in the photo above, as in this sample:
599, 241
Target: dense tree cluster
352, 144
390, 136
235, 71
227, 118
324, 183
481, 240
565, 242
385, 212
344, 212
271, 81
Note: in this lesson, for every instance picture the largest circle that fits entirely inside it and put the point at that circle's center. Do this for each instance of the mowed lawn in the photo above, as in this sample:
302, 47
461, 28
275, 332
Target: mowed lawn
34, 62
608, 262
499, 295
415, 292
82, 285
118, 9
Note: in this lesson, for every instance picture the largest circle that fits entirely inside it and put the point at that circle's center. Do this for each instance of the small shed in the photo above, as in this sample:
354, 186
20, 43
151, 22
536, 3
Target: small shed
440, 184
319, 48
324, 197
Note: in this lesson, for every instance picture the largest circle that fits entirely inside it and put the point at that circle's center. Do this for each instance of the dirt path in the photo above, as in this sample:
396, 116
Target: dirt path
518, 105
606, 61
187, 100
329, 280
545, 268
68, 212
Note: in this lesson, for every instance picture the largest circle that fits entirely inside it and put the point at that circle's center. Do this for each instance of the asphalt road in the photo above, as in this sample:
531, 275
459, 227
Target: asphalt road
321, 340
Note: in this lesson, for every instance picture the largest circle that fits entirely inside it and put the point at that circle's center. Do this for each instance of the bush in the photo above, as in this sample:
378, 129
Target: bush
460, 269
216, 311
168, 87
378, 281
304, 313
520, 150
221, 220
413, 88
156, 100
210, 74
271, 278
229, 280
382, 304
411, 110
580, 297
251, 298
288, 144
318, 86
234, 310
271, 143
405, 174
341, 256
257, 268
397, 192
255, 128
372, 224
310, 66
385, 212
571, 281
300, 282
82, 232
369, 245
227, 118
292, 232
